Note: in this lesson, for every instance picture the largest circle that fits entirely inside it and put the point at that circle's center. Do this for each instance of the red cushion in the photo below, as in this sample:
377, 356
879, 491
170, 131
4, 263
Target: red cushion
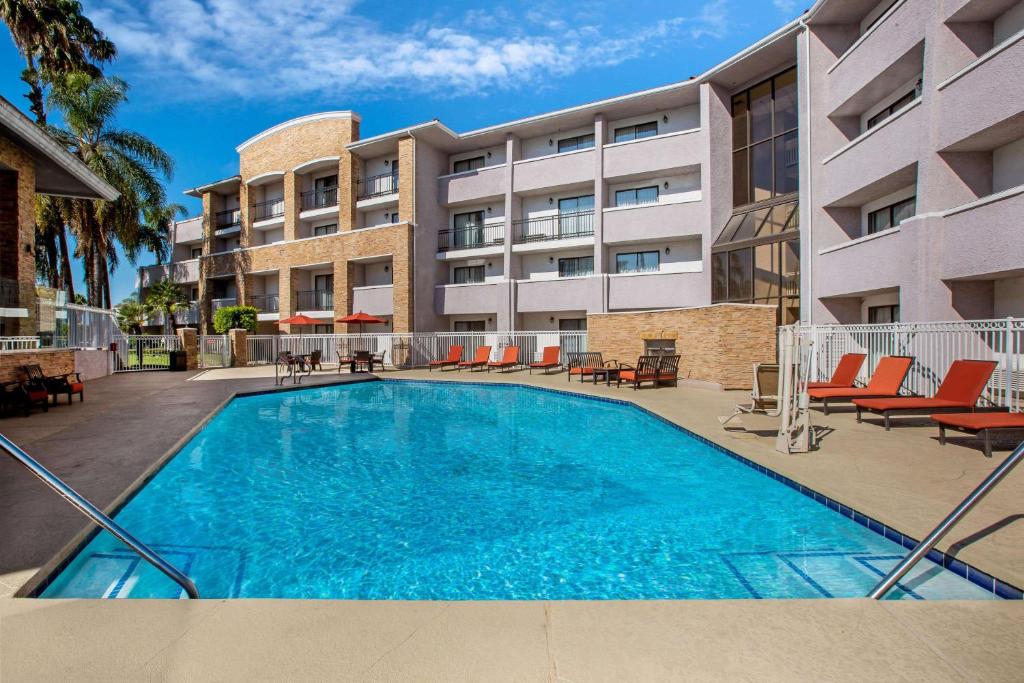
38, 395
76, 387
844, 392
978, 421
907, 403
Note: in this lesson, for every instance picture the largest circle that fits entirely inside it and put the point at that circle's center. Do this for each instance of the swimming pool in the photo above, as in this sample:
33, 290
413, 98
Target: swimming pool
448, 491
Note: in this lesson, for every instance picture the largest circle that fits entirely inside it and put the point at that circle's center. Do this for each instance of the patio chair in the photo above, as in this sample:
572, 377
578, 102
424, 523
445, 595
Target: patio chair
454, 356
764, 393
958, 393
483, 353
551, 358
981, 424
56, 385
885, 383
17, 396
655, 369
378, 359
361, 359
315, 360
344, 355
845, 373
509, 360
292, 366
583, 363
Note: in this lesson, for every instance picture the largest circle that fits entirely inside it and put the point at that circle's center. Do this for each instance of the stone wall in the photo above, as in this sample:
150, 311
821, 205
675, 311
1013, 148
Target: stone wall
52, 361
718, 344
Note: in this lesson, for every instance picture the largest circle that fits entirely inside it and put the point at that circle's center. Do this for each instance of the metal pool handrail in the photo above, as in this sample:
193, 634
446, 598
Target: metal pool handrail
948, 523
96, 515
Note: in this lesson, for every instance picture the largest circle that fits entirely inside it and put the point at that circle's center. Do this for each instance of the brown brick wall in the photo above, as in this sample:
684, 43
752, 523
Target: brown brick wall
17, 232
717, 344
55, 362
406, 179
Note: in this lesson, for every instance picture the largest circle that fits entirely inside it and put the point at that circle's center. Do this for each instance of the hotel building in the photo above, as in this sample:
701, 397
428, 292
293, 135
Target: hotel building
864, 163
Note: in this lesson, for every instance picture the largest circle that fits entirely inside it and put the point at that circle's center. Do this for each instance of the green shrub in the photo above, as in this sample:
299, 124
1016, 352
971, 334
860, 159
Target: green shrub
235, 317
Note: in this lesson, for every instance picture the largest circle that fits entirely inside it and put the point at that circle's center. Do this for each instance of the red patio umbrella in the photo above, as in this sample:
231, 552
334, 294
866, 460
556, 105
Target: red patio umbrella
362, 319
299, 320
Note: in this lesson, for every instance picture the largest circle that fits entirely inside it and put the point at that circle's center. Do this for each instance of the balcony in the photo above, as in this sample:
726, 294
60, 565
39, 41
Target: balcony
376, 186
268, 303
314, 300
658, 290
268, 210
375, 300
473, 237
468, 299
482, 184
322, 198
870, 263
183, 316
226, 222
216, 304
668, 153
189, 231
982, 237
655, 221
556, 170
560, 226
179, 271
563, 294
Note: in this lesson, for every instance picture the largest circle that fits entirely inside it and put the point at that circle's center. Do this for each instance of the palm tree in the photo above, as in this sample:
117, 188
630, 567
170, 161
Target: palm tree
155, 231
131, 315
127, 160
168, 297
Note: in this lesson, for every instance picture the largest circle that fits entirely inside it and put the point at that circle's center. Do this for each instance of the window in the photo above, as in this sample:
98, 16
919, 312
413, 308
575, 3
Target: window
463, 165
637, 132
638, 262
326, 183
469, 228
880, 315
323, 283
572, 324
893, 108
470, 325
325, 229
393, 217
576, 216
323, 329
577, 142
659, 347
576, 266
892, 215
467, 275
637, 196
761, 272
197, 252
765, 160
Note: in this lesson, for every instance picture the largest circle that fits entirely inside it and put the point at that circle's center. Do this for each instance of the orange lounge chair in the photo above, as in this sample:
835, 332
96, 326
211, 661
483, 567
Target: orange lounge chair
845, 373
979, 423
656, 369
454, 356
958, 393
509, 359
550, 359
885, 383
479, 360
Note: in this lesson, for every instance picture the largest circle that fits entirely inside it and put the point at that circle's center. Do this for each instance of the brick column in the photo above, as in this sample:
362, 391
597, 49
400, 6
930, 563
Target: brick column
190, 345
239, 347
285, 297
406, 180
245, 214
348, 172
402, 283
343, 277
292, 204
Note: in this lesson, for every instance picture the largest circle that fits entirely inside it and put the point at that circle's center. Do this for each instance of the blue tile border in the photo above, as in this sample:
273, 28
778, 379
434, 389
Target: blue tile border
976, 576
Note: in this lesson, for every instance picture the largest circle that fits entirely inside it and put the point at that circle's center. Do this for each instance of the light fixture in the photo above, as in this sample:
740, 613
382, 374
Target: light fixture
488, 320
488, 155
385, 162
551, 200
551, 259
551, 319
488, 209
387, 268
667, 250
489, 264
551, 143
666, 184
664, 119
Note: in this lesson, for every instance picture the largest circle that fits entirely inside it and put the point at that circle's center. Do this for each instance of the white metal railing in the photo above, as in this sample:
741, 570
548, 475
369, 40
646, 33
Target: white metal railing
934, 346
214, 351
413, 349
138, 352
18, 343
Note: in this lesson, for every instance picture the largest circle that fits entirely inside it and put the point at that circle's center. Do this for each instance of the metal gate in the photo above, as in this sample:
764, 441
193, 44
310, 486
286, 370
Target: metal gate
214, 351
137, 352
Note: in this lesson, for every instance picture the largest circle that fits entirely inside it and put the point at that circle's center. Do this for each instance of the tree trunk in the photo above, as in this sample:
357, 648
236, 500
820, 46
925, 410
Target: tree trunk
67, 278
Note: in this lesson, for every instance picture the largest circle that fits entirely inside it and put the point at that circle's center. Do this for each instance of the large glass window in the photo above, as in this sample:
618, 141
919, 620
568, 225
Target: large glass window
636, 196
638, 262
764, 139
641, 130
892, 215
881, 315
576, 142
465, 275
463, 165
576, 266
470, 326
469, 228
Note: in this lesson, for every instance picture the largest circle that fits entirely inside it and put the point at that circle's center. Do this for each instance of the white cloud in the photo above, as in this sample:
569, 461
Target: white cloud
276, 49
787, 7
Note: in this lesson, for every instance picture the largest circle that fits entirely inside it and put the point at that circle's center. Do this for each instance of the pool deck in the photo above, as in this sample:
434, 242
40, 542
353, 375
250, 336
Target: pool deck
128, 422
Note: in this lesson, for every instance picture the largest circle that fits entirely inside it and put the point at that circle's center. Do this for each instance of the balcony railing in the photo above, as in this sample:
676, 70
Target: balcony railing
473, 237
558, 227
264, 210
216, 304
314, 300
377, 186
268, 303
232, 218
320, 198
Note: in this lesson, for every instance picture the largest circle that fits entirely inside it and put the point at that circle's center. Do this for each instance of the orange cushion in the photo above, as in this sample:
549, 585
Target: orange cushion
76, 387
37, 395
907, 403
965, 380
843, 392
977, 421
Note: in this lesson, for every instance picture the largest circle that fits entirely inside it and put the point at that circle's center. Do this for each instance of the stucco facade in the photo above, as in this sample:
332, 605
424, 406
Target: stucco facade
903, 141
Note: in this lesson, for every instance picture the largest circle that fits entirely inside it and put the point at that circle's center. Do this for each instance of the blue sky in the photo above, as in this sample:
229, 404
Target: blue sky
207, 74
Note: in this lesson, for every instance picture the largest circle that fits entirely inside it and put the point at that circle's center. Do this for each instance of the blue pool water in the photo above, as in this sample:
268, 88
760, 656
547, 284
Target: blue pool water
420, 490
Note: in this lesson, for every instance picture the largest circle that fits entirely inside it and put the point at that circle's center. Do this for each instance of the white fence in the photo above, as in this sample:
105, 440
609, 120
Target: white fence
138, 352
18, 343
934, 347
413, 349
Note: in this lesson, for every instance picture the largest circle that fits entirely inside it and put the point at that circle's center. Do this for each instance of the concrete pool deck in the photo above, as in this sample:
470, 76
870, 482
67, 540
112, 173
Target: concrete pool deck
902, 478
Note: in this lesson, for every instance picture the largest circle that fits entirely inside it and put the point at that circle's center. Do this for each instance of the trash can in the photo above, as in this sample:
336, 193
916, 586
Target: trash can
179, 361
